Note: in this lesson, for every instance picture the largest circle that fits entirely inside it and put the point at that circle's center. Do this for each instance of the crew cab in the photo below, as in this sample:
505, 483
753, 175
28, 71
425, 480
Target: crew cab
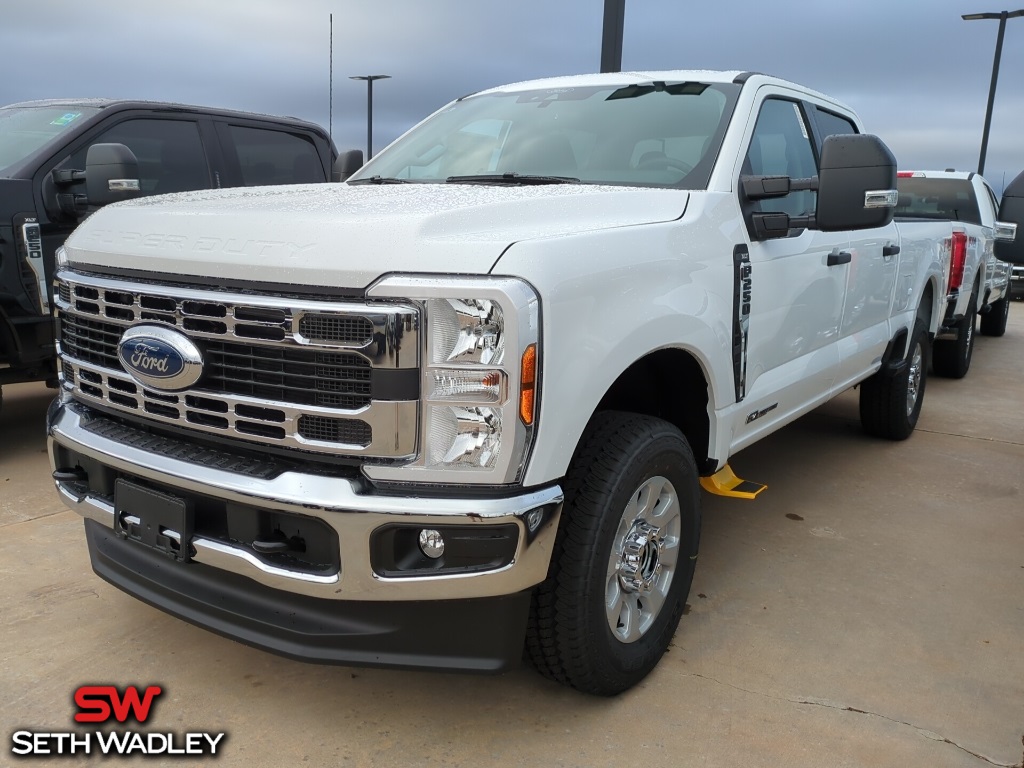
44, 147
470, 396
978, 283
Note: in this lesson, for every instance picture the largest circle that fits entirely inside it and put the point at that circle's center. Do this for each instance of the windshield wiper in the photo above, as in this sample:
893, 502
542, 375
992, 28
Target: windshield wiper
510, 178
378, 180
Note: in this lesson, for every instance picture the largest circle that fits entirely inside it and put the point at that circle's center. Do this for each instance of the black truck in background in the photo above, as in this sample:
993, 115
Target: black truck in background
43, 152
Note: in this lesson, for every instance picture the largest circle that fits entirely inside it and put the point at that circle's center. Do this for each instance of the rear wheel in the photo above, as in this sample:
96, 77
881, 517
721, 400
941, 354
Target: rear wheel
890, 401
624, 558
952, 357
993, 322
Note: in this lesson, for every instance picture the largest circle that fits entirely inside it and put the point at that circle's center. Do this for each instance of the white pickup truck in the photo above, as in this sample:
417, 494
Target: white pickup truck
978, 282
470, 396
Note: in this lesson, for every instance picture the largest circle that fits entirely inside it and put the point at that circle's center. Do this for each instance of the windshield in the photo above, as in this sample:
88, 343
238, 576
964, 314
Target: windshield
23, 130
649, 134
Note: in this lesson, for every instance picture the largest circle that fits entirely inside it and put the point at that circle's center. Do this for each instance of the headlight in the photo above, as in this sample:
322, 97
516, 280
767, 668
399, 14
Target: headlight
479, 378
466, 331
61, 257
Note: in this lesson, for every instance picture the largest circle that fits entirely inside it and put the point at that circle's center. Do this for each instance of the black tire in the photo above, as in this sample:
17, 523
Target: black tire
890, 401
993, 322
952, 357
570, 637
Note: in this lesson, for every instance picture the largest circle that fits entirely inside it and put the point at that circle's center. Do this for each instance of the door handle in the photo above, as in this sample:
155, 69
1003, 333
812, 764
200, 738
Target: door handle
889, 251
839, 257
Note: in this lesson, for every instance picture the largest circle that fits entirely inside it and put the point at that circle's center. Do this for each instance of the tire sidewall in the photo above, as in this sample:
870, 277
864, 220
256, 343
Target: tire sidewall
969, 330
919, 338
663, 456
993, 323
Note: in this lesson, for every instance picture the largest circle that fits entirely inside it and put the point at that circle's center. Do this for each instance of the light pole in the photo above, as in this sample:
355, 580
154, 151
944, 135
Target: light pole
369, 108
1002, 16
611, 38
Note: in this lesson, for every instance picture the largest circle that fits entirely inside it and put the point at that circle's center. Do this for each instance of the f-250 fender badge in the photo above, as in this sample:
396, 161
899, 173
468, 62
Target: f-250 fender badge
742, 296
758, 414
160, 358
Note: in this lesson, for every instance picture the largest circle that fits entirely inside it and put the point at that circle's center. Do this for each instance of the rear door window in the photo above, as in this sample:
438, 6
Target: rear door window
275, 157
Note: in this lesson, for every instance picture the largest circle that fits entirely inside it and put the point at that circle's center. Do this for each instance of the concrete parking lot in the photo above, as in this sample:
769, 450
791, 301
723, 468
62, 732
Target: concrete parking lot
866, 610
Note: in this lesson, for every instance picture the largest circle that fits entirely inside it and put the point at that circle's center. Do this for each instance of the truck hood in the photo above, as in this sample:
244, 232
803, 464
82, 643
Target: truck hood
338, 235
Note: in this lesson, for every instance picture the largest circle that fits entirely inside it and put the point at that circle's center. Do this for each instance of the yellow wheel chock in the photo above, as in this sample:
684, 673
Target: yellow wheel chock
725, 483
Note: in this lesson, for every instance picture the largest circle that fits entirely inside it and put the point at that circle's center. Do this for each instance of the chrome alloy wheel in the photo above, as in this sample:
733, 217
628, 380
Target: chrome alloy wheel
914, 376
643, 559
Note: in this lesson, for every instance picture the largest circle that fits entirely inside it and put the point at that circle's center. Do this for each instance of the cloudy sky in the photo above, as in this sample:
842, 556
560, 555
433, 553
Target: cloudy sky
917, 74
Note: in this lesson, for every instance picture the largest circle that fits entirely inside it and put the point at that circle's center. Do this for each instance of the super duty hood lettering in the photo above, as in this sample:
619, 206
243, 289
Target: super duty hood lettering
98, 238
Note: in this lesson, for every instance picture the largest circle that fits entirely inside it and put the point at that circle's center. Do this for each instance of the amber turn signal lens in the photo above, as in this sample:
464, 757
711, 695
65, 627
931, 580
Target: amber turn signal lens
527, 384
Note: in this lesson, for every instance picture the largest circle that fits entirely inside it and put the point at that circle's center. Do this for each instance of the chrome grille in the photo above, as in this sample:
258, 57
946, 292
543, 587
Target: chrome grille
341, 330
89, 340
339, 380
266, 378
247, 419
331, 430
208, 314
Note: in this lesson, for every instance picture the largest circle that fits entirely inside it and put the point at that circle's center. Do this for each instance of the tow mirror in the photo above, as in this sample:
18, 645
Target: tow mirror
1011, 213
856, 184
856, 189
347, 163
111, 174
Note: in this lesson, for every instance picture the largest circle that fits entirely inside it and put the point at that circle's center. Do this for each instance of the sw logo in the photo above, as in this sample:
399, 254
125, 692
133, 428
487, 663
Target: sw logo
106, 704
98, 703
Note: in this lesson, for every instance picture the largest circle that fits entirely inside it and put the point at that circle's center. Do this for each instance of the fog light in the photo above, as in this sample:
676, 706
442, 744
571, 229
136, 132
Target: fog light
534, 518
431, 543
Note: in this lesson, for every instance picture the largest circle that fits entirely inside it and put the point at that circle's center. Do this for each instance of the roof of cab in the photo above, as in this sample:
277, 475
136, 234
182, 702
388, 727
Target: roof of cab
102, 103
755, 79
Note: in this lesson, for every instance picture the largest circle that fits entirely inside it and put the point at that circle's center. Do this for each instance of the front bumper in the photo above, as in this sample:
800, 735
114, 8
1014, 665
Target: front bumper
480, 635
343, 506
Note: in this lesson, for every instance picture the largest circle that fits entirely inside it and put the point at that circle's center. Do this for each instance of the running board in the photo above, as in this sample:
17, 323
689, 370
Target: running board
725, 483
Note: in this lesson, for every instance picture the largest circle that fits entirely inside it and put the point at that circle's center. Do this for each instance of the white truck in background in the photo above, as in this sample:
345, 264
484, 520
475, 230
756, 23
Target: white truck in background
469, 397
978, 282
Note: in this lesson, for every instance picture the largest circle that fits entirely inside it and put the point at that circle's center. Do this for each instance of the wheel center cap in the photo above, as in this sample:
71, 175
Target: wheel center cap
640, 562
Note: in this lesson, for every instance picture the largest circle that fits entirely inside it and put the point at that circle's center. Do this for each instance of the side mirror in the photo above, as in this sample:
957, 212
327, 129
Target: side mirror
347, 163
856, 184
111, 174
1011, 211
856, 188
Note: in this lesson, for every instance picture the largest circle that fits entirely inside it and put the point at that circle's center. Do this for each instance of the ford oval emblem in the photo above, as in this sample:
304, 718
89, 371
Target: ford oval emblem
160, 358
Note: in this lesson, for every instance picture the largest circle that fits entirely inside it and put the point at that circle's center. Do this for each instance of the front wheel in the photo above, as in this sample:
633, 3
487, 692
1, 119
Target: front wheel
890, 401
624, 558
993, 322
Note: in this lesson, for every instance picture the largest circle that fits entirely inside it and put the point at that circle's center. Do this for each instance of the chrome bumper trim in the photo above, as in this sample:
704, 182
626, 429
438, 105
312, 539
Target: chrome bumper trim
210, 552
336, 501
